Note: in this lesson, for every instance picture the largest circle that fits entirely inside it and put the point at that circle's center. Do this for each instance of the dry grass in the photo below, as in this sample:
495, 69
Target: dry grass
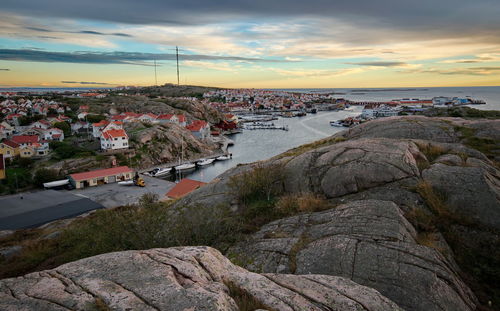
244, 300
434, 200
421, 219
291, 204
429, 239
431, 151
301, 243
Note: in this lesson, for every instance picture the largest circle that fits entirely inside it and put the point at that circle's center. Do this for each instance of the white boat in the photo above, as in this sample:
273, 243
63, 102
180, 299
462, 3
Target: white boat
161, 171
223, 158
336, 123
126, 183
204, 162
184, 167
56, 183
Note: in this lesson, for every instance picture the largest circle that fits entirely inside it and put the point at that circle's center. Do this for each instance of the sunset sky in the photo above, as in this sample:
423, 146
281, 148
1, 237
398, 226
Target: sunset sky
261, 44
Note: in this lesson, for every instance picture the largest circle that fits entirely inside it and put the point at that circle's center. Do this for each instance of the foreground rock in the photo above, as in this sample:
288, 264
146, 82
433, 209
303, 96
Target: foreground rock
187, 278
369, 242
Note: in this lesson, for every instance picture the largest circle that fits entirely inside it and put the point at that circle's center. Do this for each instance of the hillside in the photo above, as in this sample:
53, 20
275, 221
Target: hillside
395, 213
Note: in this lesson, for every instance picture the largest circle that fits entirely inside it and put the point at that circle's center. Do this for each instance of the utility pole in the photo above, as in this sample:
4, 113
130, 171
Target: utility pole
177, 56
156, 79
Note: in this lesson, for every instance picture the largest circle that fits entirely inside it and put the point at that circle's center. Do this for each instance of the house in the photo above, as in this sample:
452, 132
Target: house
82, 115
6, 130
41, 124
97, 128
100, 177
25, 140
148, 118
9, 149
181, 120
200, 129
167, 118
2, 167
184, 187
114, 139
52, 134
26, 152
80, 127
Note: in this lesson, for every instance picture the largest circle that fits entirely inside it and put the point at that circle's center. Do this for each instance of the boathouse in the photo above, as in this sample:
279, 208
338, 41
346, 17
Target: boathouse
100, 177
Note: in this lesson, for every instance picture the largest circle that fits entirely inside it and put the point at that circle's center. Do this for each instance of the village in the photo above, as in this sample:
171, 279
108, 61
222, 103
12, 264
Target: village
37, 131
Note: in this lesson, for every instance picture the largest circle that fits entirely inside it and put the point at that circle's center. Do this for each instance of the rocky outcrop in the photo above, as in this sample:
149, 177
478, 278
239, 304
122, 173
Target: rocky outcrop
165, 143
369, 242
186, 278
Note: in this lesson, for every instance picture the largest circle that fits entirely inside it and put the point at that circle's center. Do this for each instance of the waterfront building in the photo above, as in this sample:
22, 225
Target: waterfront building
184, 187
100, 177
200, 129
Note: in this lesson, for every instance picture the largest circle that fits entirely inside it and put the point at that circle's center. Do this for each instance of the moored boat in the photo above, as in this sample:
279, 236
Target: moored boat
223, 158
157, 172
204, 162
184, 167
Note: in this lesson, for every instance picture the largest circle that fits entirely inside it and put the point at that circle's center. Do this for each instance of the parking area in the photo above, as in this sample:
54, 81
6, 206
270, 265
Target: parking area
113, 195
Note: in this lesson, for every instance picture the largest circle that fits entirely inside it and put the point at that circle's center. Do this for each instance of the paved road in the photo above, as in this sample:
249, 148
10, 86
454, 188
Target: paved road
113, 195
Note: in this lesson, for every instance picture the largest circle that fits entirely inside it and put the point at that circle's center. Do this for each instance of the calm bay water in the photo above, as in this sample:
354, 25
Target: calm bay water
251, 146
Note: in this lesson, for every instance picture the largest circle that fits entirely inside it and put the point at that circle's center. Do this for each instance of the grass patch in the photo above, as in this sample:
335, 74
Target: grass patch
476, 248
296, 248
429, 239
148, 225
431, 151
291, 204
244, 300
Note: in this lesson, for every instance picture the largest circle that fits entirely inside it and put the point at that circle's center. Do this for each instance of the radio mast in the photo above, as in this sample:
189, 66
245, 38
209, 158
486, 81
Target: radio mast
177, 56
156, 78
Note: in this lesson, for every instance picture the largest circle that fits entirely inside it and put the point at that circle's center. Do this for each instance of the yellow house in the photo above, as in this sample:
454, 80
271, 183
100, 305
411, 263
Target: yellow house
26, 152
2, 167
9, 149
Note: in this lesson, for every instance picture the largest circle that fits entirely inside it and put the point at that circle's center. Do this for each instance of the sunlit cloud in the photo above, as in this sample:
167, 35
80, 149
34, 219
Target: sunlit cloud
86, 83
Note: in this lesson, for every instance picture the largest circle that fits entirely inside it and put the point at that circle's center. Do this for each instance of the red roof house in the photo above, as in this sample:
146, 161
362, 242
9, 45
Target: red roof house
184, 187
108, 175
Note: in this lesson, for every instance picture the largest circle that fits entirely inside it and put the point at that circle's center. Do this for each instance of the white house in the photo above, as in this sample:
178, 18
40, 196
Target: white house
114, 139
167, 118
200, 129
41, 124
80, 127
52, 134
148, 117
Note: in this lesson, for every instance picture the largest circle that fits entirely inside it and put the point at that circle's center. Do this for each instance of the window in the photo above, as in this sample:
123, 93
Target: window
116, 138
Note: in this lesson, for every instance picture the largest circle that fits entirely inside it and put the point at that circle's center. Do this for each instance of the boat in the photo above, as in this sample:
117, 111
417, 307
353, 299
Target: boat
57, 183
184, 167
157, 172
204, 162
337, 123
126, 183
223, 158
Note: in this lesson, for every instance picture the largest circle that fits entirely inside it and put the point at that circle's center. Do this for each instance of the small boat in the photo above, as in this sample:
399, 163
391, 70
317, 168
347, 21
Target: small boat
184, 167
57, 183
157, 172
336, 123
204, 162
126, 183
223, 158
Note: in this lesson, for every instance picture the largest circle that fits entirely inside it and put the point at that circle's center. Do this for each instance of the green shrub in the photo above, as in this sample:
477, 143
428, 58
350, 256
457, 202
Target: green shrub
44, 175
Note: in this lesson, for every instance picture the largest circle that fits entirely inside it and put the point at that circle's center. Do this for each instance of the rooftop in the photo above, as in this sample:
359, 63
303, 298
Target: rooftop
184, 187
101, 173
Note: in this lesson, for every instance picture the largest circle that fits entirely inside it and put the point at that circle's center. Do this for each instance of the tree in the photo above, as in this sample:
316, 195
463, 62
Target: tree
64, 126
44, 175
94, 118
